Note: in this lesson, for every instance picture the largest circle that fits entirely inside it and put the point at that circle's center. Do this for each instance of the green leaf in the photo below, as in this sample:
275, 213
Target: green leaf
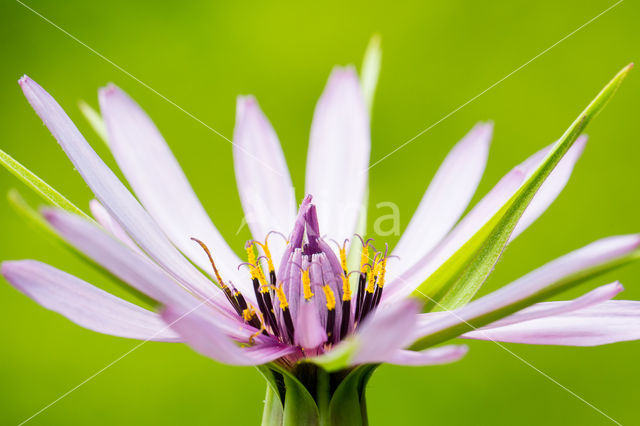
38, 185
348, 403
543, 294
94, 119
459, 278
371, 70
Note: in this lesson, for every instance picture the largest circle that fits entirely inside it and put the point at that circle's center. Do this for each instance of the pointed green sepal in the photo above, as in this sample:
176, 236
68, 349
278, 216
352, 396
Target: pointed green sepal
459, 278
39, 186
95, 120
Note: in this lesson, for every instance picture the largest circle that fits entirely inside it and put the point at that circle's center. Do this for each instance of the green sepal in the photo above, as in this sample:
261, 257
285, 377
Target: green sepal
348, 403
95, 120
371, 70
310, 395
544, 293
272, 412
339, 357
39, 186
459, 278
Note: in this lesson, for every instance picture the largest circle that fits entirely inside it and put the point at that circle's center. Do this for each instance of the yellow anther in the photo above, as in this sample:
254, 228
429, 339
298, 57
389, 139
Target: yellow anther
251, 260
372, 275
248, 314
257, 333
331, 298
267, 254
382, 270
306, 284
281, 297
264, 285
346, 288
256, 270
364, 259
343, 258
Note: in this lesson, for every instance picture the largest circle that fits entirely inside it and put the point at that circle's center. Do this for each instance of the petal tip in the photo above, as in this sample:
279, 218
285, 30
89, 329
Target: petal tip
109, 91
25, 79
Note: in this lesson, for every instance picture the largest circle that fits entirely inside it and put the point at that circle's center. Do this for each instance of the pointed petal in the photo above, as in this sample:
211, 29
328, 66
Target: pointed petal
136, 269
387, 331
547, 309
112, 193
447, 197
84, 304
158, 181
338, 154
538, 285
436, 356
262, 175
609, 322
485, 209
202, 333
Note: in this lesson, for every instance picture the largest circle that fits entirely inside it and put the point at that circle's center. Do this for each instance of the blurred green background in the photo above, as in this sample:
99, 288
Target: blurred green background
437, 55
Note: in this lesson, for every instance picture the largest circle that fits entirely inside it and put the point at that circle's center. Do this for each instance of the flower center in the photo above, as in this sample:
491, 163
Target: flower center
309, 301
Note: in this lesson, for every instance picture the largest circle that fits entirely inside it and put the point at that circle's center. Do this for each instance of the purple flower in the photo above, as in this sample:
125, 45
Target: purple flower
300, 295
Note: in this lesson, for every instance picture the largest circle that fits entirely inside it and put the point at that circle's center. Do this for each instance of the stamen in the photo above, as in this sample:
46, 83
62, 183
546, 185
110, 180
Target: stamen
261, 290
250, 317
227, 292
288, 322
306, 285
331, 312
382, 270
257, 333
330, 297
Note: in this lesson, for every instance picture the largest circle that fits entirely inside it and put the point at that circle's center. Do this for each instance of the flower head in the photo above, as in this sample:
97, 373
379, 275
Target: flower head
310, 288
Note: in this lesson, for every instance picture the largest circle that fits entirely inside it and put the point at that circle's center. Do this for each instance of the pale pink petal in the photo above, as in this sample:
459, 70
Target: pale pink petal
262, 175
202, 333
447, 197
536, 282
84, 304
403, 284
608, 322
389, 329
309, 332
136, 269
161, 185
113, 195
547, 309
103, 217
338, 155
434, 356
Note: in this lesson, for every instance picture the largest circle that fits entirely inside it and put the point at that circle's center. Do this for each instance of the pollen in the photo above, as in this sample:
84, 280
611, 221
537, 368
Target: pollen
331, 298
282, 298
346, 288
306, 285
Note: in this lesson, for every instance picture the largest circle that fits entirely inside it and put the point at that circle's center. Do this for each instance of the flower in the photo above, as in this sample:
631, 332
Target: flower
300, 302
